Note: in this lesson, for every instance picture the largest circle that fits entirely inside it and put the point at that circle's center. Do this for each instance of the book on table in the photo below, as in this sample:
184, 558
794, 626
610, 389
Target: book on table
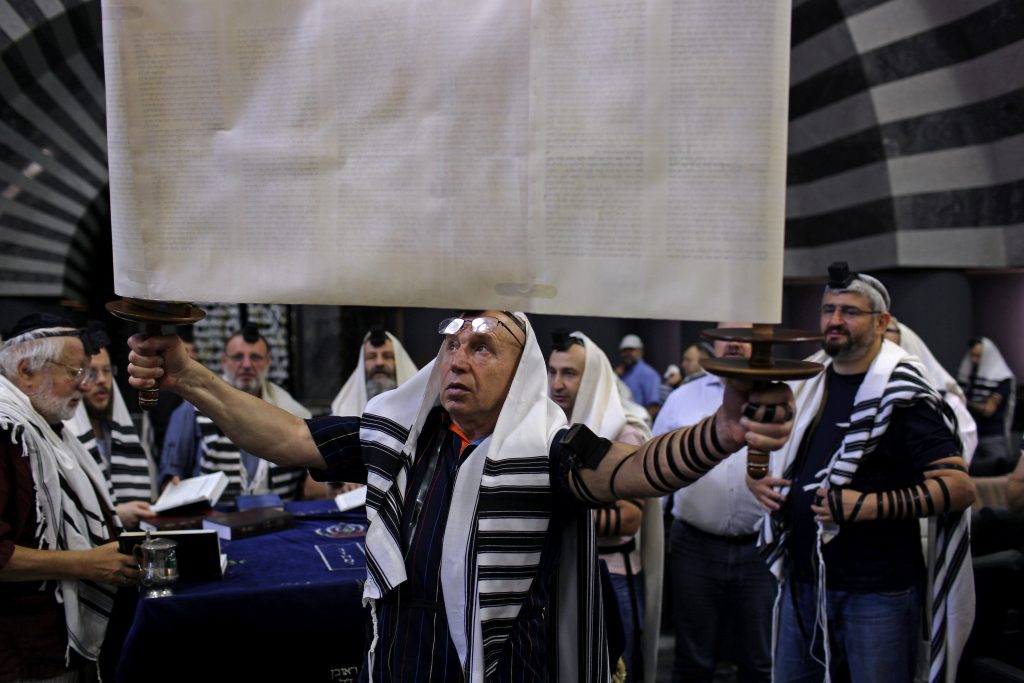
192, 494
350, 500
198, 551
175, 522
231, 526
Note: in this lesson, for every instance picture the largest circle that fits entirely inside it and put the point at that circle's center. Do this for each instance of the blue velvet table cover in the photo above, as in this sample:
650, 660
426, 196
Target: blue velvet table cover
278, 614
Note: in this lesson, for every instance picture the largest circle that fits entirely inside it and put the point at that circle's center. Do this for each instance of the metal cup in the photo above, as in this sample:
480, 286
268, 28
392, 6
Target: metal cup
158, 562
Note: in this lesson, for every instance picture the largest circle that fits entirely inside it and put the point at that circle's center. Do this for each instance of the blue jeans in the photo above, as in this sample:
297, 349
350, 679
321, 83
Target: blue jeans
873, 636
633, 652
722, 595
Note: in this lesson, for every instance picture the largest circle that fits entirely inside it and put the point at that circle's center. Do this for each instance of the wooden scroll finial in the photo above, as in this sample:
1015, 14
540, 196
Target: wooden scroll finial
761, 368
154, 315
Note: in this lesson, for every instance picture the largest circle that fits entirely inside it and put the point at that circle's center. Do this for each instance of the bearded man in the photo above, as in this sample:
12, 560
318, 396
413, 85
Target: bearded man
875, 450
104, 426
58, 564
194, 445
480, 549
383, 365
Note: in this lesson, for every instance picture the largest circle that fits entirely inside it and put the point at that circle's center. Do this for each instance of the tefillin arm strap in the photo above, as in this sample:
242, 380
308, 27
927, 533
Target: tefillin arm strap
928, 498
669, 462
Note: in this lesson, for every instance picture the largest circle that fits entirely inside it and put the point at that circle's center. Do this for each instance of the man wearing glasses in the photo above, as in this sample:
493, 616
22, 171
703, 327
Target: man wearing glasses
874, 450
194, 445
480, 549
56, 516
104, 426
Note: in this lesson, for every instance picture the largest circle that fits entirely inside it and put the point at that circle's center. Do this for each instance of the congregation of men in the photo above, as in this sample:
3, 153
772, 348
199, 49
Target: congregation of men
413, 441
485, 394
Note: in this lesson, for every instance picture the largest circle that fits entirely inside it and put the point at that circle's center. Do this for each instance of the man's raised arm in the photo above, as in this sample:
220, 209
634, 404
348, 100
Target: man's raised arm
677, 459
250, 423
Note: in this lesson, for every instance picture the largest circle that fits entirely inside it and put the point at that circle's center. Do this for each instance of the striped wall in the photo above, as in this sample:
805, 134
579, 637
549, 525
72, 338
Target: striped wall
906, 135
906, 139
53, 167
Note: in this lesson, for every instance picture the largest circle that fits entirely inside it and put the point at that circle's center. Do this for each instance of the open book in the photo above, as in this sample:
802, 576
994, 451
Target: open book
204, 490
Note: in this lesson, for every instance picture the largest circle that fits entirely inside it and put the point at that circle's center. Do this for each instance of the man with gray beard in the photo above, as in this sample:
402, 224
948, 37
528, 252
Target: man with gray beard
383, 365
194, 445
56, 517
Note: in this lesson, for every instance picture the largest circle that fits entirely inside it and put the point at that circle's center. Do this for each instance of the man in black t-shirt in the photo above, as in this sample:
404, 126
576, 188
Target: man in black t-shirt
873, 450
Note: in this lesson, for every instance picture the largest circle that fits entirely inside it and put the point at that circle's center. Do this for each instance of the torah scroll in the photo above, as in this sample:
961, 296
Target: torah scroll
592, 157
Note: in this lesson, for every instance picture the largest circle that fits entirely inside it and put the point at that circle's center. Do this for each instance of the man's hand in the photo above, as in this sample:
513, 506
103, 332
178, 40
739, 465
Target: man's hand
766, 491
851, 512
156, 361
772, 408
131, 512
105, 564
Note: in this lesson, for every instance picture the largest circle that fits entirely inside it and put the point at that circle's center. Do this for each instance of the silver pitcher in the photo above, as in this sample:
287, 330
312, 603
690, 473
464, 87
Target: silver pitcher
158, 562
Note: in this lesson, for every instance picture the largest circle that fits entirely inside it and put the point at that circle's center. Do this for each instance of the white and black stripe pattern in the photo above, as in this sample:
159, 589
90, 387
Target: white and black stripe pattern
219, 454
500, 512
54, 212
128, 471
904, 116
894, 380
502, 555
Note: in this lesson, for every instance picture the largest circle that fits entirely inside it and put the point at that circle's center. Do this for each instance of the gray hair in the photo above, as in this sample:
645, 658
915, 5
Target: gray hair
38, 347
870, 287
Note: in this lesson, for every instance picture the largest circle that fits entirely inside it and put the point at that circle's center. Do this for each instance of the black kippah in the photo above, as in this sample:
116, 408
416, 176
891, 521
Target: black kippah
93, 336
37, 321
251, 333
377, 336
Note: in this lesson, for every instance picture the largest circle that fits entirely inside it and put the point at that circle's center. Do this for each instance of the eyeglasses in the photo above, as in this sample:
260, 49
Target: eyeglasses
254, 358
845, 312
105, 371
482, 325
81, 375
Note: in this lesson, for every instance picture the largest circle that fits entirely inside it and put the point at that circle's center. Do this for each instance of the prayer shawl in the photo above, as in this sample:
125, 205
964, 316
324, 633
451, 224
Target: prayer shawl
600, 406
893, 380
991, 371
484, 583
351, 400
219, 454
944, 383
72, 509
131, 472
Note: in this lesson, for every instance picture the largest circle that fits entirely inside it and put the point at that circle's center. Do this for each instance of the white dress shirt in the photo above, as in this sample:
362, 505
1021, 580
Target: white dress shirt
719, 502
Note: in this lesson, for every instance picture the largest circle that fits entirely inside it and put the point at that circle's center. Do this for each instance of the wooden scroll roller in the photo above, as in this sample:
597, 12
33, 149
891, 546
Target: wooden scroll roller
154, 315
761, 368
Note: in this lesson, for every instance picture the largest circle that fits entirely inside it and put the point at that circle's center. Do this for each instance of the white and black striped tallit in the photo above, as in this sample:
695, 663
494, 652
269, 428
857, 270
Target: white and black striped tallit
219, 454
72, 506
895, 379
131, 473
499, 516
983, 381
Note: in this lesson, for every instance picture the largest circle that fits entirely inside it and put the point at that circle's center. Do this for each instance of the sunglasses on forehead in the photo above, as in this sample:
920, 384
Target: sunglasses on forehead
483, 324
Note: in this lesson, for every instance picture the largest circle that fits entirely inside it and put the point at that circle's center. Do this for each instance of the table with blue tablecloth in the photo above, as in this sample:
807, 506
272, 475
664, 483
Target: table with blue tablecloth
278, 614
